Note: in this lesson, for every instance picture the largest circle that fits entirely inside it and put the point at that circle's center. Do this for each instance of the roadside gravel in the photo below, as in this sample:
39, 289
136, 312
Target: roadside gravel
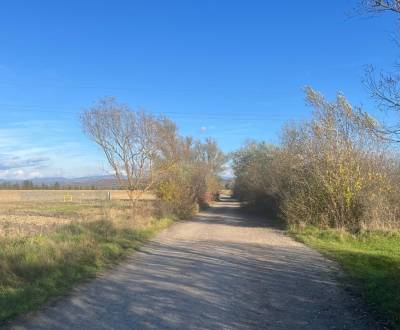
220, 270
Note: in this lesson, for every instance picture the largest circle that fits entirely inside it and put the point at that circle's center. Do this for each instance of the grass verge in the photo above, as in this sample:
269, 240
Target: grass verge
34, 269
371, 261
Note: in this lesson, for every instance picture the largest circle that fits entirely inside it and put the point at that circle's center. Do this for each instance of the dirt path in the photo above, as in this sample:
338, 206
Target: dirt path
220, 270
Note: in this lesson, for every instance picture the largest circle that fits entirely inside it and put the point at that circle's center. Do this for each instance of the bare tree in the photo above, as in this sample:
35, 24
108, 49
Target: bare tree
131, 141
376, 6
384, 87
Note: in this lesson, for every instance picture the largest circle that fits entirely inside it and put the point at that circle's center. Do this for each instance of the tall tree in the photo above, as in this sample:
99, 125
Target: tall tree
384, 87
134, 143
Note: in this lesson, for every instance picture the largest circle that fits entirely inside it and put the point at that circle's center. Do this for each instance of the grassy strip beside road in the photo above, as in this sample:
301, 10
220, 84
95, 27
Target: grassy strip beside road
370, 260
35, 268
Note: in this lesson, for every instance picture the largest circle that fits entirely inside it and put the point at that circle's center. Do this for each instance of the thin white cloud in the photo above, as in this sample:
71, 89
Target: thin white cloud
20, 174
46, 148
10, 162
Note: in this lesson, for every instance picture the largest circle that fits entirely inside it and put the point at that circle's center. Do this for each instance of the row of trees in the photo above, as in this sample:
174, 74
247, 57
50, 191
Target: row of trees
147, 153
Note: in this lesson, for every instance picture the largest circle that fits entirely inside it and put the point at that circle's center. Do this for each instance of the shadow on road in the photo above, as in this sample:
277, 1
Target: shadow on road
240, 275
229, 212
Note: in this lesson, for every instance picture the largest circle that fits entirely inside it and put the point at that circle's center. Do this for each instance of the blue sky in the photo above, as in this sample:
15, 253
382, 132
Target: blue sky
232, 70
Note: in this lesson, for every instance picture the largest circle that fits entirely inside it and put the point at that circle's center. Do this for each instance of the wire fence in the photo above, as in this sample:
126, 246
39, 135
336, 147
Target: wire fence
67, 195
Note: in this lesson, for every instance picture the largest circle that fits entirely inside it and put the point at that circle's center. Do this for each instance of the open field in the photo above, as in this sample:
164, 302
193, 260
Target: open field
371, 261
67, 195
19, 219
47, 247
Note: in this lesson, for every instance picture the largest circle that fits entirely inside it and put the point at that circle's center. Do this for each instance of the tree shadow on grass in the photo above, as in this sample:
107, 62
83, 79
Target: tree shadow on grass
376, 278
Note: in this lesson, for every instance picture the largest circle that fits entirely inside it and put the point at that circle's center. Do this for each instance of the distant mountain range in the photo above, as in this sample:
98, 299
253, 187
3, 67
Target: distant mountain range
99, 181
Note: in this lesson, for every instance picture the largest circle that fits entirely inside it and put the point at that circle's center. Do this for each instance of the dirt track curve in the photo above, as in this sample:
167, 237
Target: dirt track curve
220, 270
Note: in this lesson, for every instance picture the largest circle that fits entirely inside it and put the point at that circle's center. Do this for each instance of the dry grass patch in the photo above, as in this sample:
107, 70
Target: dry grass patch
47, 248
30, 218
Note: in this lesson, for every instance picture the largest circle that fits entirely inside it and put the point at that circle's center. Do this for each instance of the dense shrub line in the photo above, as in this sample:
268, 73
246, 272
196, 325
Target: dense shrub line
334, 170
192, 177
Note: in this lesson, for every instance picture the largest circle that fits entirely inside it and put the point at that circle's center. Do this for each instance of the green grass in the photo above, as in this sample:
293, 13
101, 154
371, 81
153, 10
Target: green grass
370, 260
39, 267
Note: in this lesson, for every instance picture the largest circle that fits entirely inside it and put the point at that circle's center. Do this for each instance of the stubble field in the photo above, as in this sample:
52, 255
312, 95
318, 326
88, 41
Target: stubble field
47, 247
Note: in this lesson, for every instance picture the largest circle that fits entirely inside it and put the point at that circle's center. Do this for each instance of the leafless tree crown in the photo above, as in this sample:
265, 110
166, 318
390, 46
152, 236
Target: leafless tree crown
131, 141
384, 87
380, 5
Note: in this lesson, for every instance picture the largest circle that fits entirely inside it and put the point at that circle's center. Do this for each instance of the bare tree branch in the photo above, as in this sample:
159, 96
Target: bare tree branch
130, 141
376, 6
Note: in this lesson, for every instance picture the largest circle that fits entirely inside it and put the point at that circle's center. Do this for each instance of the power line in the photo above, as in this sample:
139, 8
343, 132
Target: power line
225, 116
122, 88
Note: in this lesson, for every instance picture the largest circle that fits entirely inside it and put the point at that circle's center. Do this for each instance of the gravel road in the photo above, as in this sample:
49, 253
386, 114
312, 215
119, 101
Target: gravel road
220, 270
